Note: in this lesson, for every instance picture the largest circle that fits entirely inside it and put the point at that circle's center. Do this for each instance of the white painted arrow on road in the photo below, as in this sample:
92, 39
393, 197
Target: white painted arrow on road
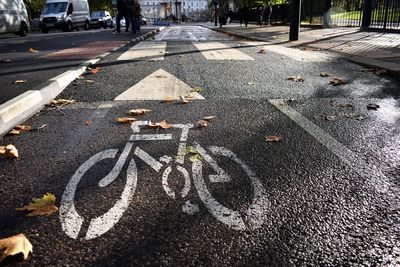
158, 86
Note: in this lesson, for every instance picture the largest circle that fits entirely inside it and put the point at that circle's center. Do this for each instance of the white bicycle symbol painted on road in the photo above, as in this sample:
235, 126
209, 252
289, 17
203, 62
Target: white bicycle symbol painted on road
252, 218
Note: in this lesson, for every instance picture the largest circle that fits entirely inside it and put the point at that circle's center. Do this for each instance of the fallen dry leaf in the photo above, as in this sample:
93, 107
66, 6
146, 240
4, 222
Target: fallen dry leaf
61, 102
88, 122
196, 157
19, 129
14, 245
88, 81
296, 79
373, 106
262, 51
273, 138
324, 74
183, 100
140, 111
157, 125
208, 118
202, 123
20, 81
197, 89
10, 151
41, 206
94, 70
39, 128
32, 50
125, 120
251, 83
381, 71
337, 81
333, 103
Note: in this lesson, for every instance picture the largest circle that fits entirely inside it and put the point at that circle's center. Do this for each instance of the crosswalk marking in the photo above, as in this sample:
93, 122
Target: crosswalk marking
158, 86
145, 50
220, 51
293, 53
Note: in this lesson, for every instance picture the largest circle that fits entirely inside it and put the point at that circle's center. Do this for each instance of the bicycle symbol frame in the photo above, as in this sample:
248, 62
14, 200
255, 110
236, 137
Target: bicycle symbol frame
253, 218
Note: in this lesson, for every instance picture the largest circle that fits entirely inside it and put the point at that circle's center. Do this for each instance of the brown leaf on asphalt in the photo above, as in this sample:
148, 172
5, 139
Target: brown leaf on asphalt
333, 103
19, 129
208, 118
337, 81
61, 102
157, 125
183, 99
94, 70
202, 123
168, 99
20, 81
330, 118
251, 83
41, 206
126, 120
88, 122
140, 111
14, 245
10, 151
32, 50
373, 106
262, 51
324, 74
381, 71
273, 138
296, 79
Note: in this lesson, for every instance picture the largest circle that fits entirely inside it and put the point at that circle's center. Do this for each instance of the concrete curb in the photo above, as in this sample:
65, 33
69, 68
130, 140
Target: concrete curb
393, 68
24, 106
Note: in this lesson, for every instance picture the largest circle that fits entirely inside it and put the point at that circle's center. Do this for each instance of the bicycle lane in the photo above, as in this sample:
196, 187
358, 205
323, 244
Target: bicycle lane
317, 208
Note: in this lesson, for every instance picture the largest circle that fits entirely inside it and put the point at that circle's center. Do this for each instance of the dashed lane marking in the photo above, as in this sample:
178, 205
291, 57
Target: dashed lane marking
220, 51
148, 49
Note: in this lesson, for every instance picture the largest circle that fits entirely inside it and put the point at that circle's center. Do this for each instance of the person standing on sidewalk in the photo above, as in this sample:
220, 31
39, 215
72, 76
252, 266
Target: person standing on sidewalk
130, 4
246, 13
240, 13
267, 14
221, 16
122, 12
259, 16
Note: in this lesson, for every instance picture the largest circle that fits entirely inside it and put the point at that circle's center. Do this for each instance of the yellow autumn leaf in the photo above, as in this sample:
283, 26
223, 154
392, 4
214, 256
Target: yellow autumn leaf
196, 157
61, 102
197, 89
20, 81
41, 206
140, 111
10, 151
125, 120
14, 245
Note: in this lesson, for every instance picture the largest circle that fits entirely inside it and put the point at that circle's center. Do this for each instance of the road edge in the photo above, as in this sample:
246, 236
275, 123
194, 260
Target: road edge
392, 68
24, 106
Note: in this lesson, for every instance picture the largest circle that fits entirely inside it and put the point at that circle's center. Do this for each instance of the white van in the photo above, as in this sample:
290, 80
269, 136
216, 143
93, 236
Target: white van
65, 15
14, 17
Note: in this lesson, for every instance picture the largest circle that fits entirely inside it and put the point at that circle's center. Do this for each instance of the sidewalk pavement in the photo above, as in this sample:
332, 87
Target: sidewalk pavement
372, 49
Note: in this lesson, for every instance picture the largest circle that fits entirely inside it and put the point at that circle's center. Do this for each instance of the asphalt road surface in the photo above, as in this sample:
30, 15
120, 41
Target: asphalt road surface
327, 194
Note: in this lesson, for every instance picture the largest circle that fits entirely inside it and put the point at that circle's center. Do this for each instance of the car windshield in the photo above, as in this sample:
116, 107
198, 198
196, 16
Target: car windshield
57, 7
98, 14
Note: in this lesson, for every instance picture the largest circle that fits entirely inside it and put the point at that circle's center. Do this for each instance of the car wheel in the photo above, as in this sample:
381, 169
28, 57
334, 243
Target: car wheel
23, 29
87, 26
105, 25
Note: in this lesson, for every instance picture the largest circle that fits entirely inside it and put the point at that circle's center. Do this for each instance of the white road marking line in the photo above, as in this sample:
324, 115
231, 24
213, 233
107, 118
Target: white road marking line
168, 190
189, 208
149, 160
149, 49
150, 137
377, 179
221, 176
220, 51
158, 86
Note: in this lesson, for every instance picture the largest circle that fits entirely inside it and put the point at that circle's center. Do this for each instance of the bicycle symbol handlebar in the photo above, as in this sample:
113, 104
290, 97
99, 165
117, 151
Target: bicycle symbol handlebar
253, 218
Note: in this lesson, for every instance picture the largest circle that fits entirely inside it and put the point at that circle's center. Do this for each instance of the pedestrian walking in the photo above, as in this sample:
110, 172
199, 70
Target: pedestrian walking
259, 16
246, 14
230, 15
130, 4
240, 13
221, 16
122, 12
267, 14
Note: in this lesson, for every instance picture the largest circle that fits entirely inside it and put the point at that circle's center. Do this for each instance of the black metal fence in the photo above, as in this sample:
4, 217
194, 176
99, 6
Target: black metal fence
376, 14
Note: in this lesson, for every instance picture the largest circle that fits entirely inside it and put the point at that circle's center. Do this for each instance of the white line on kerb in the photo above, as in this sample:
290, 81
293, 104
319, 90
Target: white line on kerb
368, 171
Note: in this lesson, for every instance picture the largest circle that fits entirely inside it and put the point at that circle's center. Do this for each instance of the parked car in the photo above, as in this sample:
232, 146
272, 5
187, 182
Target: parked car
101, 19
65, 14
14, 17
